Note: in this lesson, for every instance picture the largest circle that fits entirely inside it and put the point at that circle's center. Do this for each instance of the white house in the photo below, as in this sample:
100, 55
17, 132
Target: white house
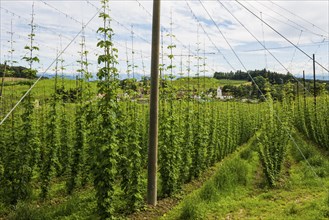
220, 94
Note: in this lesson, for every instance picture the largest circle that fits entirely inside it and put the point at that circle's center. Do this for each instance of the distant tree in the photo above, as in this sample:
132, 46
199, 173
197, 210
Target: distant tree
129, 84
13, 71
273, 77
259, 84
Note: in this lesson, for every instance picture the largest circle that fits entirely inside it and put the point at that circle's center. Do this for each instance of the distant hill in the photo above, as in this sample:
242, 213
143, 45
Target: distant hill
18, 72
73, 76
273, 77
15, 71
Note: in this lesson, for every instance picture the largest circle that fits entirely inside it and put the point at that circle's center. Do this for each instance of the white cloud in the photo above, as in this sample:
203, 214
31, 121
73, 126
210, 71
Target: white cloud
64, 18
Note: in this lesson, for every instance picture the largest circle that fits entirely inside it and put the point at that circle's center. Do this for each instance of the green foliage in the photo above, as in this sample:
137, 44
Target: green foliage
230, 175
273, 77
187, 144
82, 136
29, 141
170, 157
312, 121
23, 212
129, 85
190, 210
13, 71
70, 95
80, 163
134, 191
246, 154
199, 150
78, 148
15, 181
64, 150
168, 153
51, 148
209, 192
214, 144
272, 143
260, 82
21, 148
130, 164
179, 127
106, 152
125, 163
31, 73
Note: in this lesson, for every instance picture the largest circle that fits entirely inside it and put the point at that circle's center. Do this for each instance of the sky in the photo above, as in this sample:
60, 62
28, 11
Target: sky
223, 34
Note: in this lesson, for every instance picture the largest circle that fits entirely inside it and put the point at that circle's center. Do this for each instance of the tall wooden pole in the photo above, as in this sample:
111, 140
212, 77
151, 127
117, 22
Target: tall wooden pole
304, 85
314, 84
154, 104
297, 94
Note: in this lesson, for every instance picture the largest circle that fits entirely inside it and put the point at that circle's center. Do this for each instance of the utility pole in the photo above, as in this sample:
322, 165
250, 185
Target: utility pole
314, 84
154, 104
304, 85
297, 93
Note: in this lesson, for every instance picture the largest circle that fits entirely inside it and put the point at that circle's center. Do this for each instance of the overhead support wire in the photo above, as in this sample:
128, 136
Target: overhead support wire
120, 24
280, 20
286, 47
265, 55
55, 60
293, 56
142, 6
162, 27
50, 30
257, 39
221, 33
296, 15
80, 23
37, 25
262, 94
76, 21
302, 51
219, 51
293, 22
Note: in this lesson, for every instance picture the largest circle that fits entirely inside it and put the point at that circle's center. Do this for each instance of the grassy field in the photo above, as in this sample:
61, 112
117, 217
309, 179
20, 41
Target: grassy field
236, 190
14, 79
42, 90
204, 83
300, 195
16, 87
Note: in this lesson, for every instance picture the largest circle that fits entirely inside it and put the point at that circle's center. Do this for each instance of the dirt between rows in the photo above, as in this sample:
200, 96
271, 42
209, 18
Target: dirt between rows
166, 204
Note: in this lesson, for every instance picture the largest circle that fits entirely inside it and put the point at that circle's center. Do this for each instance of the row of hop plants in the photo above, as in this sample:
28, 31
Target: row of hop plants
49, 141
305, 114
197, 135
103, 142
273, 138
64, 144
311, 119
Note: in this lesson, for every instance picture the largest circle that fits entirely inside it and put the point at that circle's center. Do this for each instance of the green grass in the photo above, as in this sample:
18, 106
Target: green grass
41, 93
79, 206
204, 82
231, 178
298, 196
43, 89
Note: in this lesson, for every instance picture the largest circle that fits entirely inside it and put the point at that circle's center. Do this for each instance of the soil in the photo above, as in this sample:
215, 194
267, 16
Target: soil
166, 204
